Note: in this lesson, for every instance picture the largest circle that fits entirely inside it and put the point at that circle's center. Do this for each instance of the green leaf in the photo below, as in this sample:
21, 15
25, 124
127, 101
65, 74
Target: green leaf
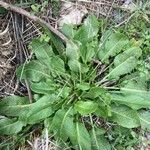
83, 86
72, 51
86, 107
123, 68
57, 64
112, 44
42, 107
68, 30
83, 137
88, 50
2, 10
29, 113
56, 41
62, 124
95, 92
133, 51
43, 87
144, 117
124, 63
133, 93
10, 127
33, 71
42, 50
134, 100
88, 30
99, 142
125, 117
40, 115
74, 65
66, 91
14, 106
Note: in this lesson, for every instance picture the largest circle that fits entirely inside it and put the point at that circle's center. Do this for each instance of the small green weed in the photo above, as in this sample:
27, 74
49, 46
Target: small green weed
92, 77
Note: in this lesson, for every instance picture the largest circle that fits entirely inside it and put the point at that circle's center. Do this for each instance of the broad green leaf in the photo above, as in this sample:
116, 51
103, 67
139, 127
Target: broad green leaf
125, 117
72, 50
74, 65
10, 127
62, 124
40, 115
14, 106
102, 111
123, 68
133, 51
66, 91
112, 44
42, 87
73, 54
99, 142
83, 86
88, 30
58, 65
91, 50
86, 107
42, 50
83, 137
43, 105
125, 62
68, 30
133, 93
88, 51
95, 92
33, 71
27, 112
144, 117
134, 100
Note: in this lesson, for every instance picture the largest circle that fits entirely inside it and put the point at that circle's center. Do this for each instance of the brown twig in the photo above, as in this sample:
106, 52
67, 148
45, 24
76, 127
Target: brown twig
34, 18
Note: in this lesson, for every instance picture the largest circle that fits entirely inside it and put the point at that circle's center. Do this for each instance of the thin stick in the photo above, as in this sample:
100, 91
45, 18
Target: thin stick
34, 18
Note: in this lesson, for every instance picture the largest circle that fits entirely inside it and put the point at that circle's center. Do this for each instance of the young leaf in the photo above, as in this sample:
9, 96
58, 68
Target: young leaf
62, 124
83, 137
144, 117
113, 43
125, 117
86, 107
10, 127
